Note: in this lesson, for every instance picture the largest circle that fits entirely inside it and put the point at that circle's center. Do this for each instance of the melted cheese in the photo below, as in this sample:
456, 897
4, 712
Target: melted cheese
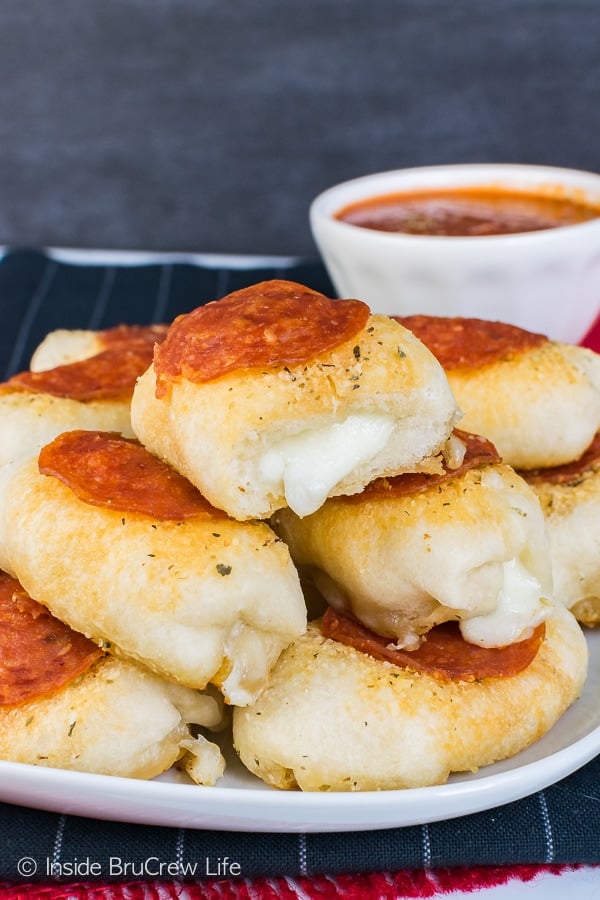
204, 763
311, 463
519, 609
454, 451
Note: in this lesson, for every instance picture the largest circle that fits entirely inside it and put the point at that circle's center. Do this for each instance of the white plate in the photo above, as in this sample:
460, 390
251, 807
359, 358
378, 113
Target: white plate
243, 803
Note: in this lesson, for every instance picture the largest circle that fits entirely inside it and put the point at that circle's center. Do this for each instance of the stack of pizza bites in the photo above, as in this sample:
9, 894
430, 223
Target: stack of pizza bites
116, 546
441, 648
539, 402
270, 439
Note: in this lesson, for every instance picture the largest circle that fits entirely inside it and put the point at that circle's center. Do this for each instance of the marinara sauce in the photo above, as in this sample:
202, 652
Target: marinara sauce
467, 212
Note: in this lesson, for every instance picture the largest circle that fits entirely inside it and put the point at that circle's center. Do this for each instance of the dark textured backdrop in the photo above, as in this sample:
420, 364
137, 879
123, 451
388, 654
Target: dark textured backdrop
208, 125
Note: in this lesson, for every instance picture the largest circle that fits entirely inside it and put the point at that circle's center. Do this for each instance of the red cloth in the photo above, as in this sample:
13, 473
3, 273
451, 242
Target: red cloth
592, 338
384, 886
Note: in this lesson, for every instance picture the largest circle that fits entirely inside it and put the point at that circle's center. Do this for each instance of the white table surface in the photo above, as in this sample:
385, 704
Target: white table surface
577, 884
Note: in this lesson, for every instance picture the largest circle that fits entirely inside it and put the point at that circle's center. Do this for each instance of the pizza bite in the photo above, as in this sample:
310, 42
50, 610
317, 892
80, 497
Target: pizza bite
66, 703
570, 499
337, 718
415, 550
125, 550
278, 396
537, 400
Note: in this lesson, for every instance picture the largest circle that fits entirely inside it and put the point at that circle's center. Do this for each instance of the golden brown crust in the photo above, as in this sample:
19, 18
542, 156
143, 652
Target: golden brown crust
335, 719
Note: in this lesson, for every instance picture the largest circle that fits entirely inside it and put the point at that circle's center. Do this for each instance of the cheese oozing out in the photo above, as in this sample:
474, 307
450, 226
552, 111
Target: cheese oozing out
520, 607
311, 463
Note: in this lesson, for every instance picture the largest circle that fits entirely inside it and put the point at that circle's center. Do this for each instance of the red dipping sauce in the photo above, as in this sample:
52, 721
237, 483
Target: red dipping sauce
466, 212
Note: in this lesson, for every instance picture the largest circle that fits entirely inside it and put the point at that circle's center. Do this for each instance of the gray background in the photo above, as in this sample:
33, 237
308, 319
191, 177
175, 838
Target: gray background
208, 125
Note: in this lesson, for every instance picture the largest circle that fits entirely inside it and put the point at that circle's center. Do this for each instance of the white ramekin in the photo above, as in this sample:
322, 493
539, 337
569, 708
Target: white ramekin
546, 281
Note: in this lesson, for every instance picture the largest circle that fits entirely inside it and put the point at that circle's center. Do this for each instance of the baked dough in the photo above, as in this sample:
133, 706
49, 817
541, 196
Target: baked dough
198, 601
65, 345
70, 345
471, 548
30, 420
33, 418
335, 719
115, 719
572, 512
256, 440
540, 407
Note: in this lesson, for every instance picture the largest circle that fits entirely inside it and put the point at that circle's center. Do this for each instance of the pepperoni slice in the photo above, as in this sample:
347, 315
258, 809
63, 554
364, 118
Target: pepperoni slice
126, 335
111, 373
479, 452
38, 653
461, 343
273, 323
443, 653
105, 469
569, 472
